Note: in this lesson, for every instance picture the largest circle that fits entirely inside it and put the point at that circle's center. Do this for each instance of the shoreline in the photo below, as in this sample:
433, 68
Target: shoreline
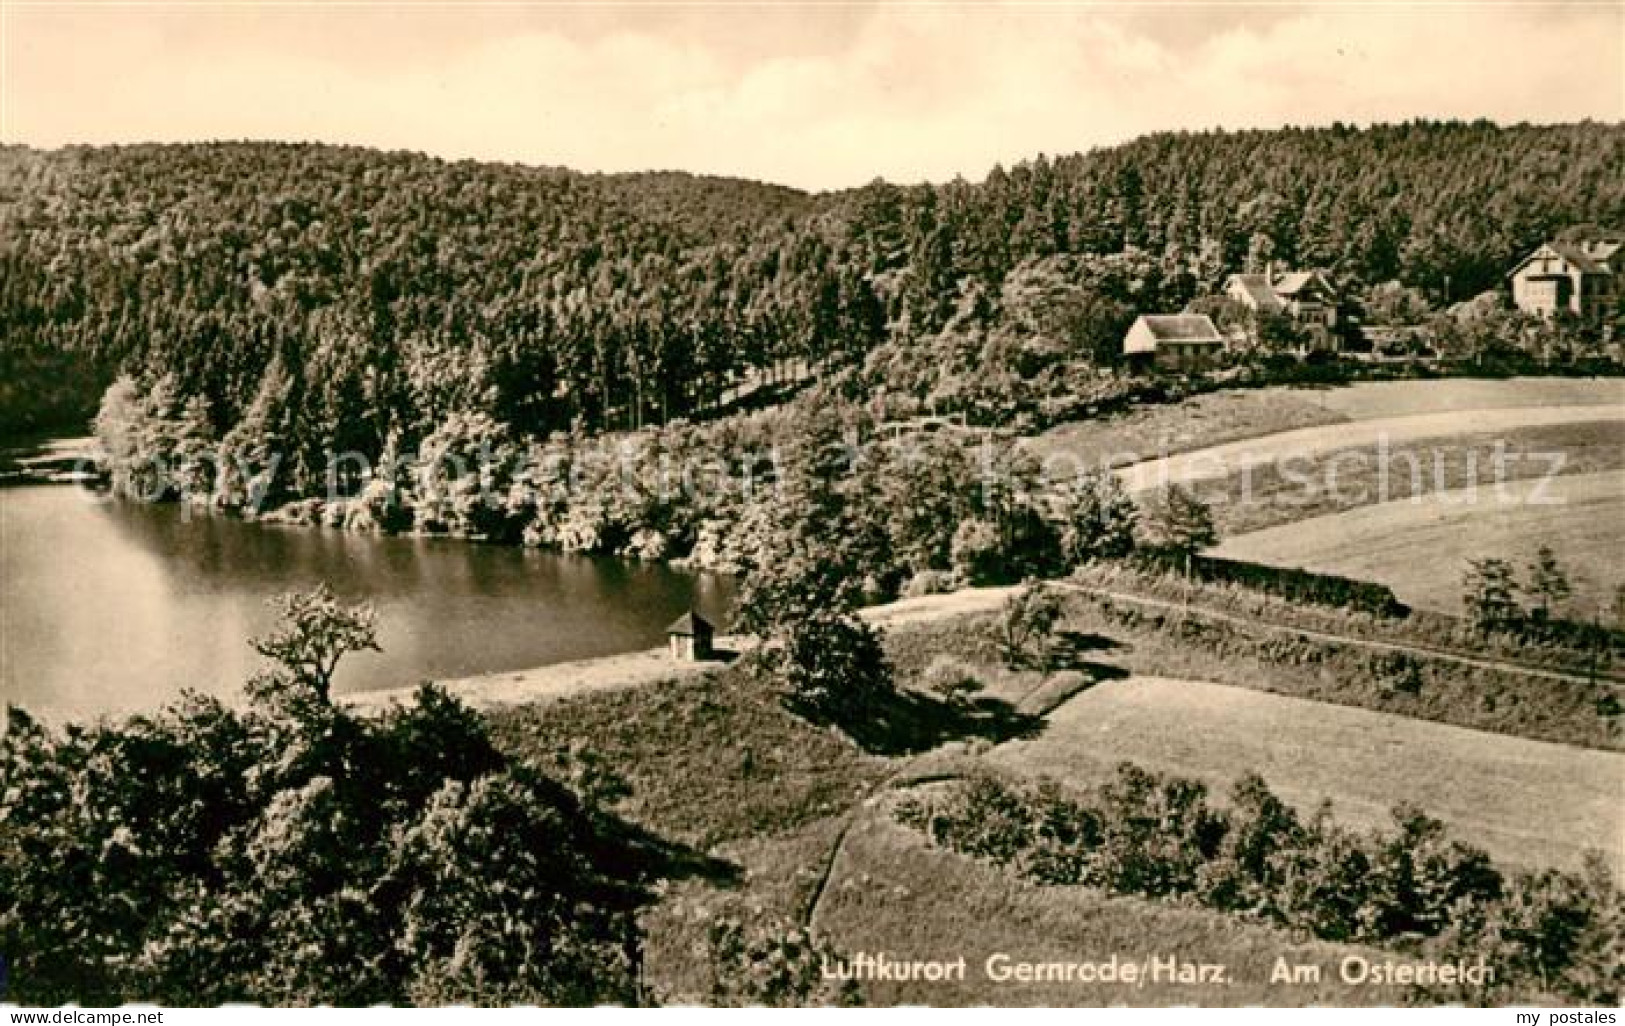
506, 688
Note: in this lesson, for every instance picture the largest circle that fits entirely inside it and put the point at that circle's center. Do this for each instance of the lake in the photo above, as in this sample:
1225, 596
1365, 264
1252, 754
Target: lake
112, 607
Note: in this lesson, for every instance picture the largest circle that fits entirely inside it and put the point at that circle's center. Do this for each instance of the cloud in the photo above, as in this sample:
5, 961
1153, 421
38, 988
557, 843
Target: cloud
811, 96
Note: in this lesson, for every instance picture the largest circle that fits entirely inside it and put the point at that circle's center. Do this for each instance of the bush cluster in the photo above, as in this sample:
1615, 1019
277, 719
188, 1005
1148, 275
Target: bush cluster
1527, 611
293, 853
1290, 583
763, 962
832, 667
1409, 887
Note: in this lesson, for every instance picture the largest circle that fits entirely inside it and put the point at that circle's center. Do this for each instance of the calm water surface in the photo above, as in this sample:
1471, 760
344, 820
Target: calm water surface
112, 607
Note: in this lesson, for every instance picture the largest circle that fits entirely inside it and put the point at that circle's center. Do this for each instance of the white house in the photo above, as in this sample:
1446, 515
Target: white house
1177, 342
1308, 297
1581, 278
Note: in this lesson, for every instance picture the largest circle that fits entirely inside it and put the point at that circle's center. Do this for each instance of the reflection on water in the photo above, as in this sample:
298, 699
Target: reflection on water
114, 607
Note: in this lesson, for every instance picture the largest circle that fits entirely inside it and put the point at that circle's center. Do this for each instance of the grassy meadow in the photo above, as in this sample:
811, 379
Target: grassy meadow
1235, 415
1421, 548
709, 759
1528, 803
1273, 494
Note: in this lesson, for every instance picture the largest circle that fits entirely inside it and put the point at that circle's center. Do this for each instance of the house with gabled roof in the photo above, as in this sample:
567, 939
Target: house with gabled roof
1173, 342
1308, 297
1580, 277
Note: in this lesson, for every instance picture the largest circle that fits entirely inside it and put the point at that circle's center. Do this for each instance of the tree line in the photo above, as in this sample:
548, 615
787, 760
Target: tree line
357, 295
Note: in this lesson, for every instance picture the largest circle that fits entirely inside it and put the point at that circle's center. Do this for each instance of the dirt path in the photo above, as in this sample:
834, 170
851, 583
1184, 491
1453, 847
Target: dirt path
550, 683
654, 665
1221, 461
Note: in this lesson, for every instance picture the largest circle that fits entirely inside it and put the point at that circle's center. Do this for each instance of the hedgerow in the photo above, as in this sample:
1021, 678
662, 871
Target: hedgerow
1408, 888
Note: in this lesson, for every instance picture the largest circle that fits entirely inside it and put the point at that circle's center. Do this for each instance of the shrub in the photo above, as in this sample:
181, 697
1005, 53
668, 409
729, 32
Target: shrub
833, 666
1397, 673
986, 819
1548, 583
1026, 626
1157, 833
647, 544
951, 680
1065, 836
1178, 522
771, 964
1490, 596
1418, 875
1098, 520
978, 552
930, 582
1246, 873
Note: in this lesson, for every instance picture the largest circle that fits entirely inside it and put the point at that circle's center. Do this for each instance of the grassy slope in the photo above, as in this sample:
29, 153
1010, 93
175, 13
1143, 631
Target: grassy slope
1420, 549
1113, 639
1230, 416
1369, 400
1351, 478
1204, 420
1290, 449
710, 759
892, 892
715, 762
1527, 802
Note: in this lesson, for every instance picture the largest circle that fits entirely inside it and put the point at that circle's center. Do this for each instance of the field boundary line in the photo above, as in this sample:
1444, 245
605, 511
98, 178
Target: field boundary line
1601, 680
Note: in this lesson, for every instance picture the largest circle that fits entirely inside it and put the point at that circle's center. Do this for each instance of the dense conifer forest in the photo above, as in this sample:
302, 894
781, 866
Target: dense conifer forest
352, 295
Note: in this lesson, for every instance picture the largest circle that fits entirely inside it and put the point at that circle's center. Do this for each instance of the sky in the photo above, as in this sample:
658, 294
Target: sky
819, 95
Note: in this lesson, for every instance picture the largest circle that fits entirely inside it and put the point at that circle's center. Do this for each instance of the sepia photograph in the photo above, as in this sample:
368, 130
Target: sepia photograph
819, 503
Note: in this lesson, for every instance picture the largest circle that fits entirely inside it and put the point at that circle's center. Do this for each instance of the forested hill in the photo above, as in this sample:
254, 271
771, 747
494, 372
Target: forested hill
349, 293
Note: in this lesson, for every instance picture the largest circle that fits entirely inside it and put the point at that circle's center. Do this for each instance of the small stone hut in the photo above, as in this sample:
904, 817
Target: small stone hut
691, 637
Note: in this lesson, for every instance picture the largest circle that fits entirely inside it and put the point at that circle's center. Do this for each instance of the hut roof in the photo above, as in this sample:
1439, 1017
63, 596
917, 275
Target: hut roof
689, 624
1182, 328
